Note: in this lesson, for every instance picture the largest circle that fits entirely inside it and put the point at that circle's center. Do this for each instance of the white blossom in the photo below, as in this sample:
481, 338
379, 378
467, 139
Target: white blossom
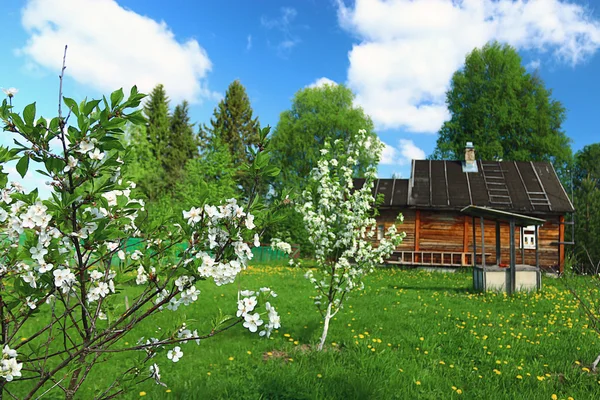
252, 322
175, 354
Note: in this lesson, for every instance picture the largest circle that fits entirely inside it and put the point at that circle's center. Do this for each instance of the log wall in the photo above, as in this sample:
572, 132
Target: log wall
449, 231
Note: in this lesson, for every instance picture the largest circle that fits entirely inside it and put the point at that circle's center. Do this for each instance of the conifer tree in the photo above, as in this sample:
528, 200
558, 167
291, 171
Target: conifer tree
156, 110
233, 122
182, 143
235, 127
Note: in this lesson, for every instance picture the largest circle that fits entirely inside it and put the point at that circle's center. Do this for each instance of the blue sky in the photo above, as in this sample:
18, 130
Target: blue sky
396, 55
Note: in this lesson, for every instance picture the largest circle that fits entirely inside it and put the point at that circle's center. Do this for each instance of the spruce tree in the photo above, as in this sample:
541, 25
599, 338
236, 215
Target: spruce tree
182, 143
156, 110
233, 123
234, 126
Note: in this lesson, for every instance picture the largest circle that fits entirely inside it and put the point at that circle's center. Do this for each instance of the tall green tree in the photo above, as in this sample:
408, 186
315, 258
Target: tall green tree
209, 177
586, 179
144, 168
234, 124
587, 163
508, 113
317, 115
182, 143
158, 125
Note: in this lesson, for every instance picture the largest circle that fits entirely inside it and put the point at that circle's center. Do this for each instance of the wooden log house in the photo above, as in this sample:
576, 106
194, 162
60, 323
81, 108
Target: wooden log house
438, 234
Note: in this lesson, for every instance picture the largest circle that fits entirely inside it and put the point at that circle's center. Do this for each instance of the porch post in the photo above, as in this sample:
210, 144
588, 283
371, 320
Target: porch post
537, 253
474, 244
482, 241
513, 268
498, 248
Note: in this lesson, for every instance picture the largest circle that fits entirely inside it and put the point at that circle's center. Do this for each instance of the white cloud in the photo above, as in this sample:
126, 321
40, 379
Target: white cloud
402, 155
322, 82
410, 151
409, 49
284, 25
389, 155
534, 64
248, 42
112, 47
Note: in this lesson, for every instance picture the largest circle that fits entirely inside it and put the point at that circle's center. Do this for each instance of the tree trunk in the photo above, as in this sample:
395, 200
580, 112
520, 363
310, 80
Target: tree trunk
325, 327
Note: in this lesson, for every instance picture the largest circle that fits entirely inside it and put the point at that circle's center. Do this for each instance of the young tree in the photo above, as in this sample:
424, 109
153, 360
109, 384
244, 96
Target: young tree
508, 113
63, 261
340, 224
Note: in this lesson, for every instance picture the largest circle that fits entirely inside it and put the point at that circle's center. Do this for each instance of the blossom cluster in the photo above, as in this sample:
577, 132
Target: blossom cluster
338, 218
247, 302
278, 244
9, 366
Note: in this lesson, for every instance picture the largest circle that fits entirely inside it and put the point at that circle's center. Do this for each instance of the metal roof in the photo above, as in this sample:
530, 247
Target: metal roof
516, 186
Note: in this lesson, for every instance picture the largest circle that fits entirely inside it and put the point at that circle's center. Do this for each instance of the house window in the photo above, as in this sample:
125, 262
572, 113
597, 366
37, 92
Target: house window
528, 237
380, 231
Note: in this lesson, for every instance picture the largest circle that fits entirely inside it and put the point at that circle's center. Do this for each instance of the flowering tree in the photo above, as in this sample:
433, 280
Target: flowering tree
339, 221
64, 260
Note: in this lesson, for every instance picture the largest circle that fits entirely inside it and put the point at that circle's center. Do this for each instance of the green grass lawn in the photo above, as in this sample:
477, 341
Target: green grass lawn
410, 334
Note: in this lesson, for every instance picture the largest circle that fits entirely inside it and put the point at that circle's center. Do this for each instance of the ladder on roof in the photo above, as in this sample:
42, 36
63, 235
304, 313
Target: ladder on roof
538, 198
495, 183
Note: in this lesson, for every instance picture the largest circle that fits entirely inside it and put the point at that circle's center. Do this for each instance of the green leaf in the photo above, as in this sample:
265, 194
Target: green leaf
136, 118
89, 107
71, 105
29, 114
116, 97
54, 123
272, 170
23, 165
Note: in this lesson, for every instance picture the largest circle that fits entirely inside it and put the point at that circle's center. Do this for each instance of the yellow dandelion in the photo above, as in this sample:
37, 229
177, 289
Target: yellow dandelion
230, 358
458, 391
143, 393
541, 378
168, 391
319, 376
519, 377
554, 397
249, 352
417, 383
